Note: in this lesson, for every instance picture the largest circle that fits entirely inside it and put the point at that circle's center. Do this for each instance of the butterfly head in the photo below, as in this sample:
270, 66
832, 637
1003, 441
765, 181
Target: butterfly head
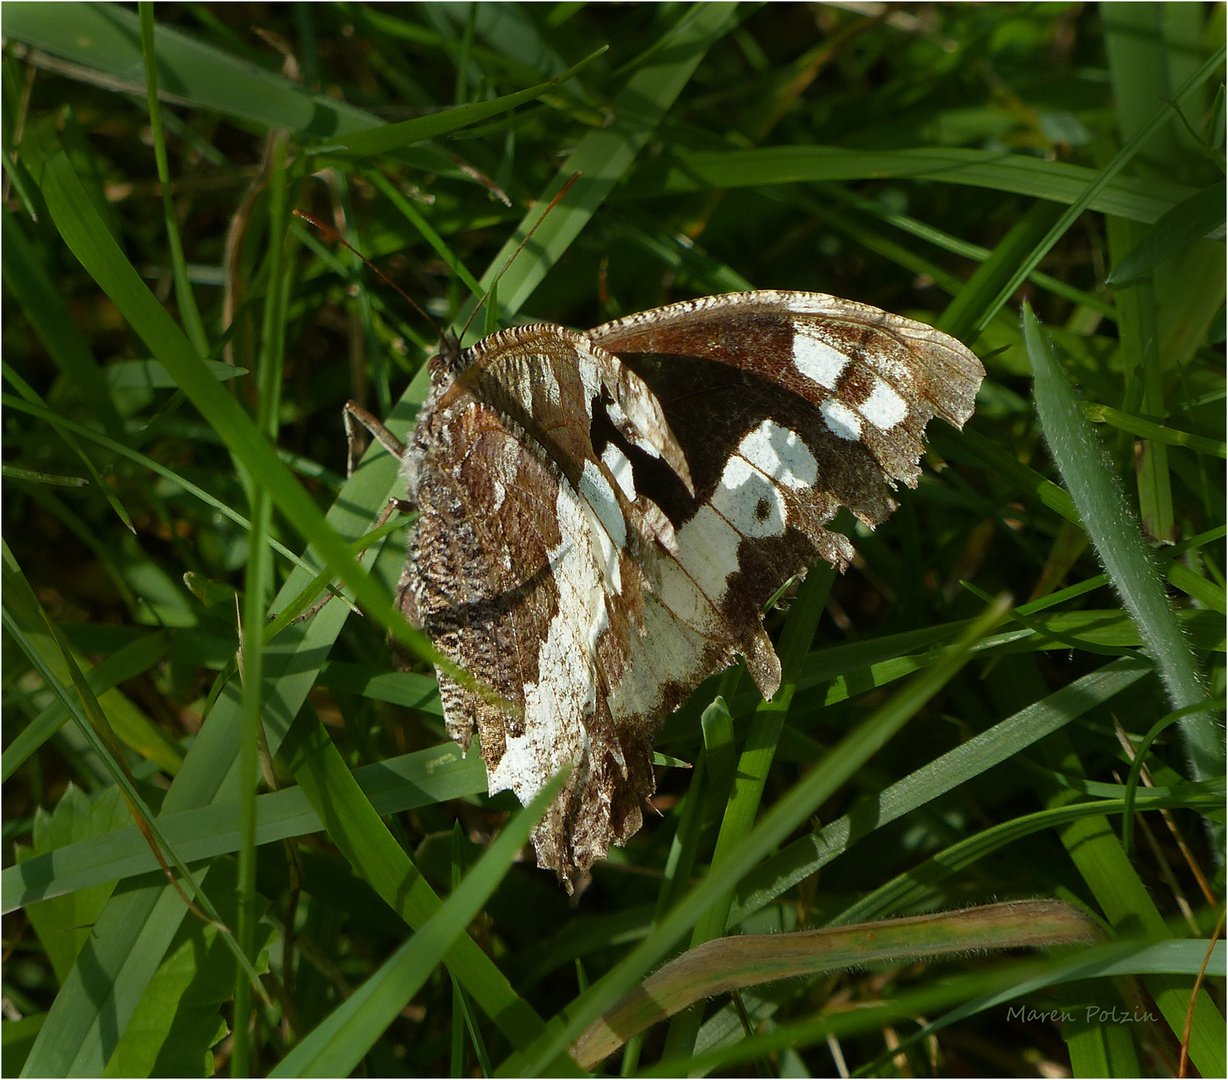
449, 361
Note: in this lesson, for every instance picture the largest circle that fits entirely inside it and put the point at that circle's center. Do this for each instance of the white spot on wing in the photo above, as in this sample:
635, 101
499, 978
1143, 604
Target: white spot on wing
748, 500
616, 461
781, 454
817, 360
884, 408
841, 420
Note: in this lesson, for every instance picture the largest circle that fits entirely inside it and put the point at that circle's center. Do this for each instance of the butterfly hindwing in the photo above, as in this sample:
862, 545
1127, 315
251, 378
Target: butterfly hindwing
523, 570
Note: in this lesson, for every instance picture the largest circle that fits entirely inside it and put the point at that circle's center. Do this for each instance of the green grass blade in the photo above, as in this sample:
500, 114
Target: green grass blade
189, 313
1137, 200
1147, 429
968, 311
391, 787
1087, 199
355, 827
1120, 545
395, 136
1202, 214
944, 174
804, 857
336, 1046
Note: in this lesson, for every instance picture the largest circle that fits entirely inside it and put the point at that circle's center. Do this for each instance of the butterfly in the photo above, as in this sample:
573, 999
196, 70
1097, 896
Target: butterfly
603, 515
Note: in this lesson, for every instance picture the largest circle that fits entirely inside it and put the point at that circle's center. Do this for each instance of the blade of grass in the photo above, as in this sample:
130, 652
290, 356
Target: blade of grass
1137, 200
604, 155
734, 963
395, 136
1104, 177
958, 246
1136, 768
257, 583
1202, 214
1147, 429
391, 787
967, 312
1121, 547
365, 841
189, 314
804, 857
336, 1046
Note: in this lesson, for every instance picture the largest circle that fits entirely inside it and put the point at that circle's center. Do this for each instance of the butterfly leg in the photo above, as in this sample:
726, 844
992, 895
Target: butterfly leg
354, 412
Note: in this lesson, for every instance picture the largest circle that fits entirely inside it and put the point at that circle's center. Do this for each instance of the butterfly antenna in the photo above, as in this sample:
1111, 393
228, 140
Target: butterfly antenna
558, 198
331, 236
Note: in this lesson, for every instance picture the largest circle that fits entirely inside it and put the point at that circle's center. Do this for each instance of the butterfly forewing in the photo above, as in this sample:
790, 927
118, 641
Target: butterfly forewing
603, 516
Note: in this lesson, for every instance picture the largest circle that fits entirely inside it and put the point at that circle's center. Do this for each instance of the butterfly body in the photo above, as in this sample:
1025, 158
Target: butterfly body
603, 515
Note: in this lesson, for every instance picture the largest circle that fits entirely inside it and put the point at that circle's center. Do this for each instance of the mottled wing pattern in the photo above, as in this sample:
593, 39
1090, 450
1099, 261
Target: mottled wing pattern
603, 516
525, 569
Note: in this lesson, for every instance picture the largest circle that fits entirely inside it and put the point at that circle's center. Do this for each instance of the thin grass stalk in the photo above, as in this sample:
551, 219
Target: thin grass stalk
258, 582
189, 313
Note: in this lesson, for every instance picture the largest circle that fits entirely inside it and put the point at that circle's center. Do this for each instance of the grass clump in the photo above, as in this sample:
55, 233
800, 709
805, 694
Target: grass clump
177, 349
